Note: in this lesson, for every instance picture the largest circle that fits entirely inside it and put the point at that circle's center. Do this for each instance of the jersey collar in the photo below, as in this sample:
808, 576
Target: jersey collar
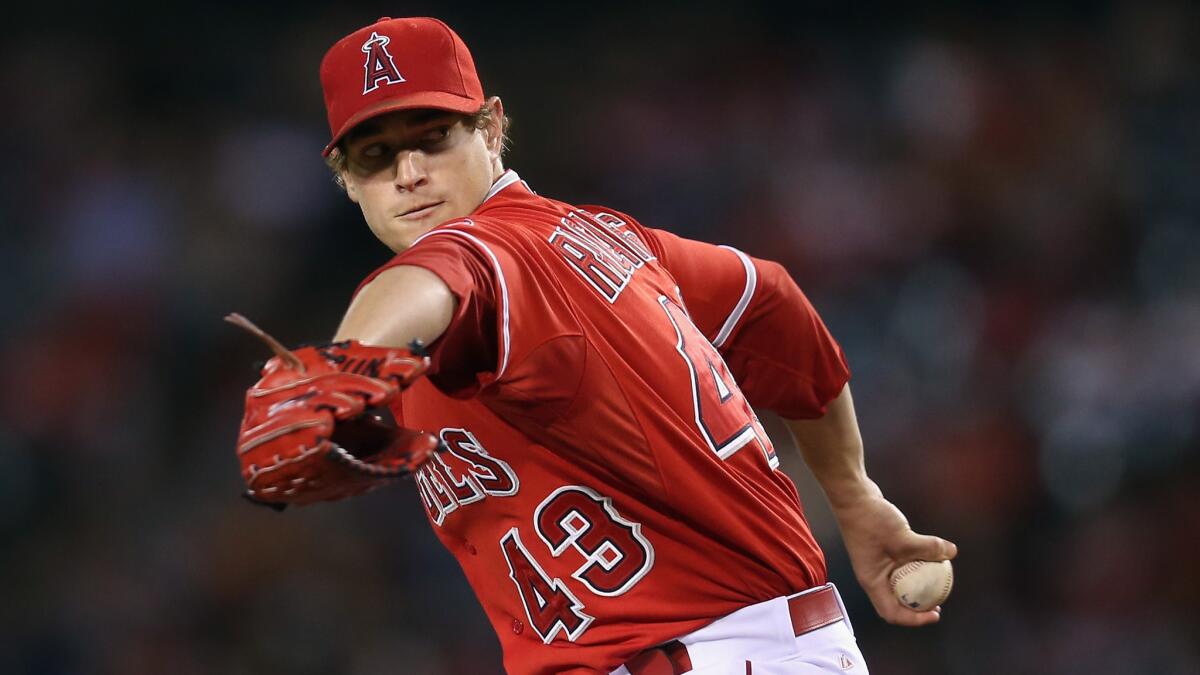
506, 179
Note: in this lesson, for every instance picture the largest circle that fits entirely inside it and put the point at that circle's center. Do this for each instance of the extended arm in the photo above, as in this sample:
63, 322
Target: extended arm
876, 533
306, 434
402, 304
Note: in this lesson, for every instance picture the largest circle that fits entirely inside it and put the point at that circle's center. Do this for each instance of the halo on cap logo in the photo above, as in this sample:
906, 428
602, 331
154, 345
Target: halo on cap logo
379, 65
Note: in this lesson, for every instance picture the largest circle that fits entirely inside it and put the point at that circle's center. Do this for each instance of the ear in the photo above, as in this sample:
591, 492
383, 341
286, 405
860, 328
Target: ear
349, 184
494, 131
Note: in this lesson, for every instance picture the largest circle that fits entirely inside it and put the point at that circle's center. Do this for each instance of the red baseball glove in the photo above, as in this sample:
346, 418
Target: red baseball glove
307, 436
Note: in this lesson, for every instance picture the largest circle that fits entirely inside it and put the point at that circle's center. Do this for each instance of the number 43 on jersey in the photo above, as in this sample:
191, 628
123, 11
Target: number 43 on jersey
614, 553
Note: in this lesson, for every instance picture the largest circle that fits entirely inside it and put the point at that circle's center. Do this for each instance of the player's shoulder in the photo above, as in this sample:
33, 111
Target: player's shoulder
462, 229
506, 226
607, 210
615, 219
485, 242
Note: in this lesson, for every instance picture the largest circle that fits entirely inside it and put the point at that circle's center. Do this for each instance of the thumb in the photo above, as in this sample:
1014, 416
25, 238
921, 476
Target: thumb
928, 547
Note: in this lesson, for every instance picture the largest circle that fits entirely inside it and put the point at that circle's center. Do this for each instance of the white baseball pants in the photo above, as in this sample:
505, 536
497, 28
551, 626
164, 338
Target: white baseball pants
794, 635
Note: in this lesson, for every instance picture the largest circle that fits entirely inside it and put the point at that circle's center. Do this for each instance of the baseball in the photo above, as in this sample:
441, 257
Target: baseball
922, 585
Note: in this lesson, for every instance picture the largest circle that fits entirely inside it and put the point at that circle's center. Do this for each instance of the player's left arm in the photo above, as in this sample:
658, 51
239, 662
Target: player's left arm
442, 292
403, 303
306, 434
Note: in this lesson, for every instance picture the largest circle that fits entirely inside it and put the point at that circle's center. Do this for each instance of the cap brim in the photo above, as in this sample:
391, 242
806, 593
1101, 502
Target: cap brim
436, 100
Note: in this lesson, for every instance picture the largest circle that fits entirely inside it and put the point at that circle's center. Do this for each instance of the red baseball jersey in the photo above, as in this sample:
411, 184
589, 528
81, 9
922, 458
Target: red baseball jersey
607, 485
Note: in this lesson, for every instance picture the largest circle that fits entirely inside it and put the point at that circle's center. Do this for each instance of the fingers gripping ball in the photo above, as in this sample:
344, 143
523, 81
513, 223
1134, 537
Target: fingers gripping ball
922, 585
306, 435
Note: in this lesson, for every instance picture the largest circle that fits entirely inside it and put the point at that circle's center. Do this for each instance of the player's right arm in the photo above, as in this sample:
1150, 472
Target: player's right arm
876, 533
774, 342
785, 360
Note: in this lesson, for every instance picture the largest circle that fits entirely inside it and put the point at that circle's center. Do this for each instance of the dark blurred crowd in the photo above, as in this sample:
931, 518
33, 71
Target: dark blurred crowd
997, 212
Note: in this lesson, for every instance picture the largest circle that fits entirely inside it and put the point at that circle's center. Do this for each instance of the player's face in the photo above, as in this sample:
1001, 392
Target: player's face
412, 170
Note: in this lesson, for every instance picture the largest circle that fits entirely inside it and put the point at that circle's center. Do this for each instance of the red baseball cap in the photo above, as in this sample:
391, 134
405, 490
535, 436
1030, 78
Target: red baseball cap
397, 64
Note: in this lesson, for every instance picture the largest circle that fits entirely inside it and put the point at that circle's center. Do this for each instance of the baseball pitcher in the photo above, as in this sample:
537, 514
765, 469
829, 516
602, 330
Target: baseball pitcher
572, 394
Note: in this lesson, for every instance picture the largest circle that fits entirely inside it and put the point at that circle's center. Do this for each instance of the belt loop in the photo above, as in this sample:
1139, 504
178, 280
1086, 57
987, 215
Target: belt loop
845, 614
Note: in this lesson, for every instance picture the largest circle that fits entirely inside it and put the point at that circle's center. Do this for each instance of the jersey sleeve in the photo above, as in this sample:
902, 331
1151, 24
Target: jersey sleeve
773, 340
464, 358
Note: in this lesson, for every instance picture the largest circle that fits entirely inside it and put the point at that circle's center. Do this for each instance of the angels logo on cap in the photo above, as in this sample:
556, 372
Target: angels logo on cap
379, 64
439, 73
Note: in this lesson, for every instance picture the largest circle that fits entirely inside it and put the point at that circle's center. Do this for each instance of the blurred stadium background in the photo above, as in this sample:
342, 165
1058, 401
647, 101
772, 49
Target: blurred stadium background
997, 210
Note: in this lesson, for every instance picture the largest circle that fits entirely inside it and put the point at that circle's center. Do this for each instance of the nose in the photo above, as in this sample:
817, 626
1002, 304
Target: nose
410, 170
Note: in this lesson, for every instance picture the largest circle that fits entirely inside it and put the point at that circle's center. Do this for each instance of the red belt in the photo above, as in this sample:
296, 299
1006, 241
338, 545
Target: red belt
809, 612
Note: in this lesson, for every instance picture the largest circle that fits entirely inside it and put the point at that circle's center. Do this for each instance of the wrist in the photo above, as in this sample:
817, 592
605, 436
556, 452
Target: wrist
850, 491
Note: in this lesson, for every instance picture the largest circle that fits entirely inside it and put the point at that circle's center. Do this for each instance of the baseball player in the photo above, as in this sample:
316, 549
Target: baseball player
579, 426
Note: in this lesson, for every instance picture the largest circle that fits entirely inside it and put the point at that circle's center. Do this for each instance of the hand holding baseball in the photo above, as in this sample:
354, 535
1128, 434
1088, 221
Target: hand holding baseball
880, 542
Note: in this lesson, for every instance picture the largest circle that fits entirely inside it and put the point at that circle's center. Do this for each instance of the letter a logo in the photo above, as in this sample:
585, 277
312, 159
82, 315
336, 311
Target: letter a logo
379, 65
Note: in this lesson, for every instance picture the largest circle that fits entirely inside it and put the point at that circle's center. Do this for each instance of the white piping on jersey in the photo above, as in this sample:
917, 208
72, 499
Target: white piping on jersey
503, 287
507, 178
743, 303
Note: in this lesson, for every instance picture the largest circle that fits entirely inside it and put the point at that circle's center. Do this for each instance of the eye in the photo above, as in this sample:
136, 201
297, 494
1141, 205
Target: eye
435, 136
374, 150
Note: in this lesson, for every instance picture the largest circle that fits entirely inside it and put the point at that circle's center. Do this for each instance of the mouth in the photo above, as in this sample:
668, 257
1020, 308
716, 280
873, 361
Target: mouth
419, 212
